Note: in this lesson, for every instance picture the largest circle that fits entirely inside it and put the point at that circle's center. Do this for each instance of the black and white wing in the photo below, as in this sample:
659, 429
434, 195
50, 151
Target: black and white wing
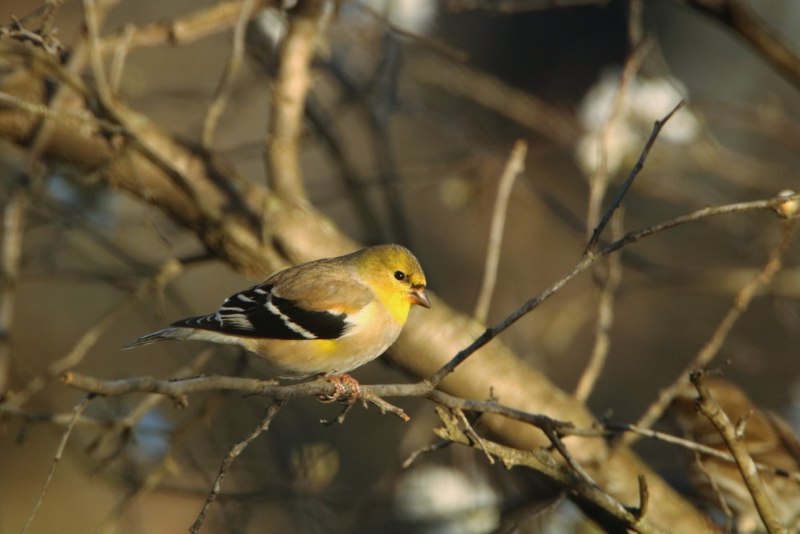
258, 312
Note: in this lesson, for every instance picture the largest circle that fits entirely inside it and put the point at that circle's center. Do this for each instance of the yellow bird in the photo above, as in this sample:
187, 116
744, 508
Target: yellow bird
325, 317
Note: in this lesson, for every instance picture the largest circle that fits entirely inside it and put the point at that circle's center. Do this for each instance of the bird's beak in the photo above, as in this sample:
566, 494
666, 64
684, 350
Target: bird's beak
418, 296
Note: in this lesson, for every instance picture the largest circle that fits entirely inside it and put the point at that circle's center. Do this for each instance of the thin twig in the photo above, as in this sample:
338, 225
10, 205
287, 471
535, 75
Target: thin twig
657, 126
599, 180
693, 446
487, 90
168, 271
470, 433
92, 17
772, 204
76, 412
13, 217
545, 464
184, 30
707, 353
117, 67
644, 498
744, 21
514, 167
49, 16
232, 67
712, 410
233, 453
436, 45
290, 89
605, 317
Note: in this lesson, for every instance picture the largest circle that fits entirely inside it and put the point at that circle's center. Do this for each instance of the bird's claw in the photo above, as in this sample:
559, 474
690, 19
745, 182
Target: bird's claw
346, 390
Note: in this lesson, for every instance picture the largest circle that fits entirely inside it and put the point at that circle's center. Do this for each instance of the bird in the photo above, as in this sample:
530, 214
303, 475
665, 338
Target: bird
321, 318
769, 440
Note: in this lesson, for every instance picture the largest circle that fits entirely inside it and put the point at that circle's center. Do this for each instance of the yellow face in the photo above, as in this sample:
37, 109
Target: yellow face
398, 278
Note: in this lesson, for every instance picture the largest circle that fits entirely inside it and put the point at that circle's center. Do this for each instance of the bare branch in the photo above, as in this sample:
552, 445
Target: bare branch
13, 219
709, 407
629, 180
234, 453
292, 85
178, 31
707, 353
740, 18
76, 413
543, 463
232, 66
514, 167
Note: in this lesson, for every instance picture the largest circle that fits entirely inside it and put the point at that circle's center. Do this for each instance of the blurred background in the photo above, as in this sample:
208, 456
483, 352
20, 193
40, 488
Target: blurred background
414, 111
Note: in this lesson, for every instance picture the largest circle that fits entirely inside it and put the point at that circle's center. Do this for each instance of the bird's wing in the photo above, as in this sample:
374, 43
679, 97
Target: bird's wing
308, 304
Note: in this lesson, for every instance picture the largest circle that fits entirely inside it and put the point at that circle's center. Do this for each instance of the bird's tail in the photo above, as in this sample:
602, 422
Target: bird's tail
173, 332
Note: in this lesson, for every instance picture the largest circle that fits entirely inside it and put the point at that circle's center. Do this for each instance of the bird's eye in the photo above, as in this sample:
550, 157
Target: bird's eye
399, 275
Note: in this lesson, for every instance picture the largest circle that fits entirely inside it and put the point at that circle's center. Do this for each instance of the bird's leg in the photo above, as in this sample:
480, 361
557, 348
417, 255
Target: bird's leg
346, 389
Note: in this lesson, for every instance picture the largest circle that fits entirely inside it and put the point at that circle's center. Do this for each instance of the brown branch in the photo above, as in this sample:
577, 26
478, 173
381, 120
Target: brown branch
76, 413
707, 353
543, 463
292, 85
598, 231
178, 31
76, 354
608, 286
712, 410
233, 453
514, 167
13, 220
742, 20
490, 92
232, 67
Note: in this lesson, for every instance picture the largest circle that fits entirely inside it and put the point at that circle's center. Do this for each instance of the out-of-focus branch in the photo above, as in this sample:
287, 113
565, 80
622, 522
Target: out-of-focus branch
707, 353
89, 338
232, 67
741, 19
514, 167
292, 84
13, 220
178, 31
76, 413
233, 453
483, 89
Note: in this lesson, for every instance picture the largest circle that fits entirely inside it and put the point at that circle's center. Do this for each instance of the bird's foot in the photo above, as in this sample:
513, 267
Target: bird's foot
346, 389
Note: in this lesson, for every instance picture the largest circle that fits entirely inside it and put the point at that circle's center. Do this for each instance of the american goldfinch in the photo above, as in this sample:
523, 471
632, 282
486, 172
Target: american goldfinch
325, 317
